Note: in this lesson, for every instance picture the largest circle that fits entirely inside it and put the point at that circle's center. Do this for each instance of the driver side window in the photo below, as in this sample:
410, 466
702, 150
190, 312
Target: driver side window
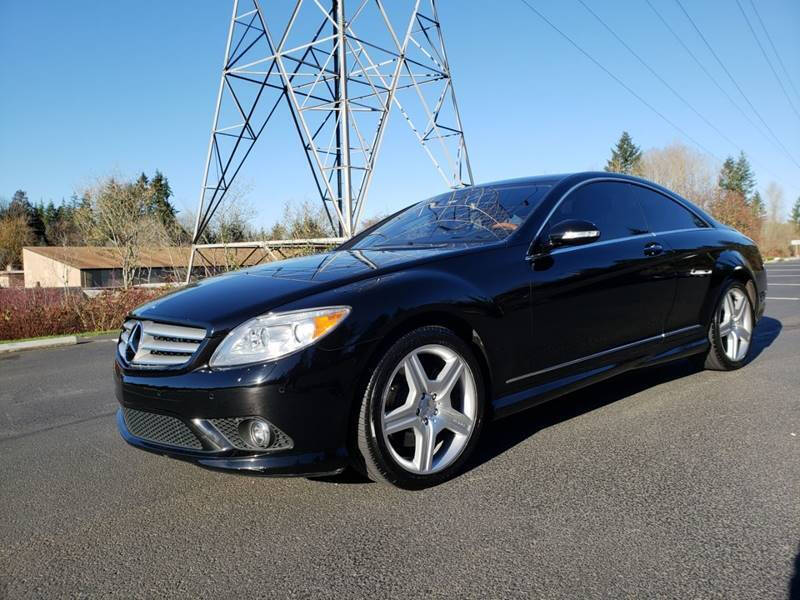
609, 205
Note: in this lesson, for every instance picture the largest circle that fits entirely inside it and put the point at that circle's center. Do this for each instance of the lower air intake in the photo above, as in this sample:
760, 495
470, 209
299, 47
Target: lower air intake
160, 429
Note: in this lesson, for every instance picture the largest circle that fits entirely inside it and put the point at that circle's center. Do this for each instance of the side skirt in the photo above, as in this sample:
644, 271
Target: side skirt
513, 403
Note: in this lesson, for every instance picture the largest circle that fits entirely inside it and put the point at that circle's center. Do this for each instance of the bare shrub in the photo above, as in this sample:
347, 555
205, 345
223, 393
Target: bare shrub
34, 312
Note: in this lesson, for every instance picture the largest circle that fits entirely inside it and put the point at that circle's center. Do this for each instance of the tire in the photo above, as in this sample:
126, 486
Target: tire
416, 428
721, 357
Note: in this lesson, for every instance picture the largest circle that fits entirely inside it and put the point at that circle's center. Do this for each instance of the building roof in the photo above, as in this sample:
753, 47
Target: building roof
98, 257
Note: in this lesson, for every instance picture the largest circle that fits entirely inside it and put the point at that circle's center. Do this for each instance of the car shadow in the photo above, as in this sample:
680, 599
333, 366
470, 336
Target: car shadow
502, 435
794, 585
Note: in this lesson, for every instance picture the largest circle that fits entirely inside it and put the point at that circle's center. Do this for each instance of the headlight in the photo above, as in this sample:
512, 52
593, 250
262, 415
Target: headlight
274, 335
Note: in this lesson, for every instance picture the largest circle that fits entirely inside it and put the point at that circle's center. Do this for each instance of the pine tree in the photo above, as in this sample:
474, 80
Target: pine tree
737, 176
795, 216
746, 176
160, 205
758, 206
625, 156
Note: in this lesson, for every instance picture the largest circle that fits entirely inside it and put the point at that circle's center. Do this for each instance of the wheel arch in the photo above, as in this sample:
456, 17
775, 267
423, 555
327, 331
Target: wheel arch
730, 265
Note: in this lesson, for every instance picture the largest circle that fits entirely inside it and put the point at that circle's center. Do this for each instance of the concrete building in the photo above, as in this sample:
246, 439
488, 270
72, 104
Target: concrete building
101, 267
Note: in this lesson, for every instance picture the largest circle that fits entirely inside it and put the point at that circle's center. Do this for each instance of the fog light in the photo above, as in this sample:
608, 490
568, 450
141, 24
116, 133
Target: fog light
256, 432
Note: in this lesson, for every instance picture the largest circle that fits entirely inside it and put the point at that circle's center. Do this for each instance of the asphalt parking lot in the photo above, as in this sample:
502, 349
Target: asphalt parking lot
669, 482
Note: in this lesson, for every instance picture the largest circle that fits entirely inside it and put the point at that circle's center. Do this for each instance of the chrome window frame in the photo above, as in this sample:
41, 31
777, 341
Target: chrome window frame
531, 255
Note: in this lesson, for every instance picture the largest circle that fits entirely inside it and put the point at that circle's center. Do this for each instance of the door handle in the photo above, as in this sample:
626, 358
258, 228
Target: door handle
653, 249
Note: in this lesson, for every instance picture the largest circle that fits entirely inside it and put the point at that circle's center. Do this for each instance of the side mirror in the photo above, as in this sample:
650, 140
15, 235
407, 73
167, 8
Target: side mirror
572, 233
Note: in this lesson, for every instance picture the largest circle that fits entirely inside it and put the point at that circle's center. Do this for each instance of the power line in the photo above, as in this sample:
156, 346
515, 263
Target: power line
775, 50
713, 79
738, 87
659, 77
766, 57
663, 81
619, 81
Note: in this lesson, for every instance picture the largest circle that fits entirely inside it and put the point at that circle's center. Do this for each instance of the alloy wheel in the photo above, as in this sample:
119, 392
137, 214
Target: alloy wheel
428, 409
735, 324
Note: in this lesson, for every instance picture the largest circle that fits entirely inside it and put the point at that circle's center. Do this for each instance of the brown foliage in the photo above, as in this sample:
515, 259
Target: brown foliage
34, 312
731, 209
15, 233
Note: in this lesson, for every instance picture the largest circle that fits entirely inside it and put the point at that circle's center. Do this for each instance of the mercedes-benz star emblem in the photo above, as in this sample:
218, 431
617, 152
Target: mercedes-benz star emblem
132, 347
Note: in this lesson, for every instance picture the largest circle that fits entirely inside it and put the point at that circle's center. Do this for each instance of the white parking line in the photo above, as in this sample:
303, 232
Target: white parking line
776, 298
784, 276
797, 284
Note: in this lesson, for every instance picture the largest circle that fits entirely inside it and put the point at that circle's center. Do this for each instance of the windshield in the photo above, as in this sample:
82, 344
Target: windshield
466, 216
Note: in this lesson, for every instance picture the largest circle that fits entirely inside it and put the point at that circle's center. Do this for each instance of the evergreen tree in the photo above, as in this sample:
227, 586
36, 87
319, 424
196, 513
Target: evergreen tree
795, 216
737, 176
160, 205
625, 156
20, 206
758, 206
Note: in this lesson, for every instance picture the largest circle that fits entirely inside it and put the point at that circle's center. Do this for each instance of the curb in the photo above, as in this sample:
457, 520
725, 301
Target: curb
67, 340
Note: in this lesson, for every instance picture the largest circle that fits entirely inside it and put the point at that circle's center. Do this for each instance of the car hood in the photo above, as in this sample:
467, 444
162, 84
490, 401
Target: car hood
222, 302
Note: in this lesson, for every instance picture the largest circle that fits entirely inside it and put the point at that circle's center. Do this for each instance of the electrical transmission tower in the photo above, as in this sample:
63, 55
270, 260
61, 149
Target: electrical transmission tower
340, 68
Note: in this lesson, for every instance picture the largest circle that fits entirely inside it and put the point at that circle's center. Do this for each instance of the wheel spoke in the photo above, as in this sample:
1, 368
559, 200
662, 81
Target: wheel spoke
743, 334
457, 422
448, 377
740, 311
425, 439
415, 375
427, 410
401, 418
728, 310
733, 345
725, 328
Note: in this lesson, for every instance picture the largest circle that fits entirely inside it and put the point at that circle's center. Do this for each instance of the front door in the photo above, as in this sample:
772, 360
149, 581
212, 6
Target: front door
604, 299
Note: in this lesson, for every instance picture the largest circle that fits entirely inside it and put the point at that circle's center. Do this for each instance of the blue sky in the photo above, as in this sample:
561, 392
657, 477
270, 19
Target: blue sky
98, 87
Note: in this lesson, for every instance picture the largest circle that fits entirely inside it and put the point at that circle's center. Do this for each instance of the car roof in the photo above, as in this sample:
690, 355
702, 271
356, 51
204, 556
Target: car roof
558, 178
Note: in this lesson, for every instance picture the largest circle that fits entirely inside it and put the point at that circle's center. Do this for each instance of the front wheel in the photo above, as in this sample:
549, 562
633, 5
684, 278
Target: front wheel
422, 411
731, 330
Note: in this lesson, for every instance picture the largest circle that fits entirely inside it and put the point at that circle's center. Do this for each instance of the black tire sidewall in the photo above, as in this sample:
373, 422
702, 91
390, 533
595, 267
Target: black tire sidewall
389, 469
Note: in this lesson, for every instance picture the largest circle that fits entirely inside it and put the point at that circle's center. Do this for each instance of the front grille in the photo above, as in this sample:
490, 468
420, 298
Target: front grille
161, 429
230, 429
148, 344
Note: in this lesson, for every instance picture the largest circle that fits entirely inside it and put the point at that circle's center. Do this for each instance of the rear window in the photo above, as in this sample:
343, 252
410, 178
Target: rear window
663, 213
471, 215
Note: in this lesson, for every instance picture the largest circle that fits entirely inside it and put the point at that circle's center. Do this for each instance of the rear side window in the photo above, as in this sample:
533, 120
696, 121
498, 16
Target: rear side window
610, 205
663, 213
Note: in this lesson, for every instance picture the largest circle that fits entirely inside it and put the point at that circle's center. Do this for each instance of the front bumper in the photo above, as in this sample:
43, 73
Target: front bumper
307, 397
284, 464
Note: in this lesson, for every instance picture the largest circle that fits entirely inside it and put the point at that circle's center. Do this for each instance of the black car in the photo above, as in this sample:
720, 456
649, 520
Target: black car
391, 352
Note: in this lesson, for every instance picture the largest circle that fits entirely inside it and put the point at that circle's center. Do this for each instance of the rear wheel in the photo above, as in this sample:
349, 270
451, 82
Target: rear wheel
731, 330
422, 411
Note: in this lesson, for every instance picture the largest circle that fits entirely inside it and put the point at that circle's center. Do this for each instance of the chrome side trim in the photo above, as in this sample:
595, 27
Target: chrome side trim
600, 243
606, 352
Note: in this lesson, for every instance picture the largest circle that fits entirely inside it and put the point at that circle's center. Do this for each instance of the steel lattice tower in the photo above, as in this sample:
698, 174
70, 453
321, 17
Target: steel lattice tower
340, 69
